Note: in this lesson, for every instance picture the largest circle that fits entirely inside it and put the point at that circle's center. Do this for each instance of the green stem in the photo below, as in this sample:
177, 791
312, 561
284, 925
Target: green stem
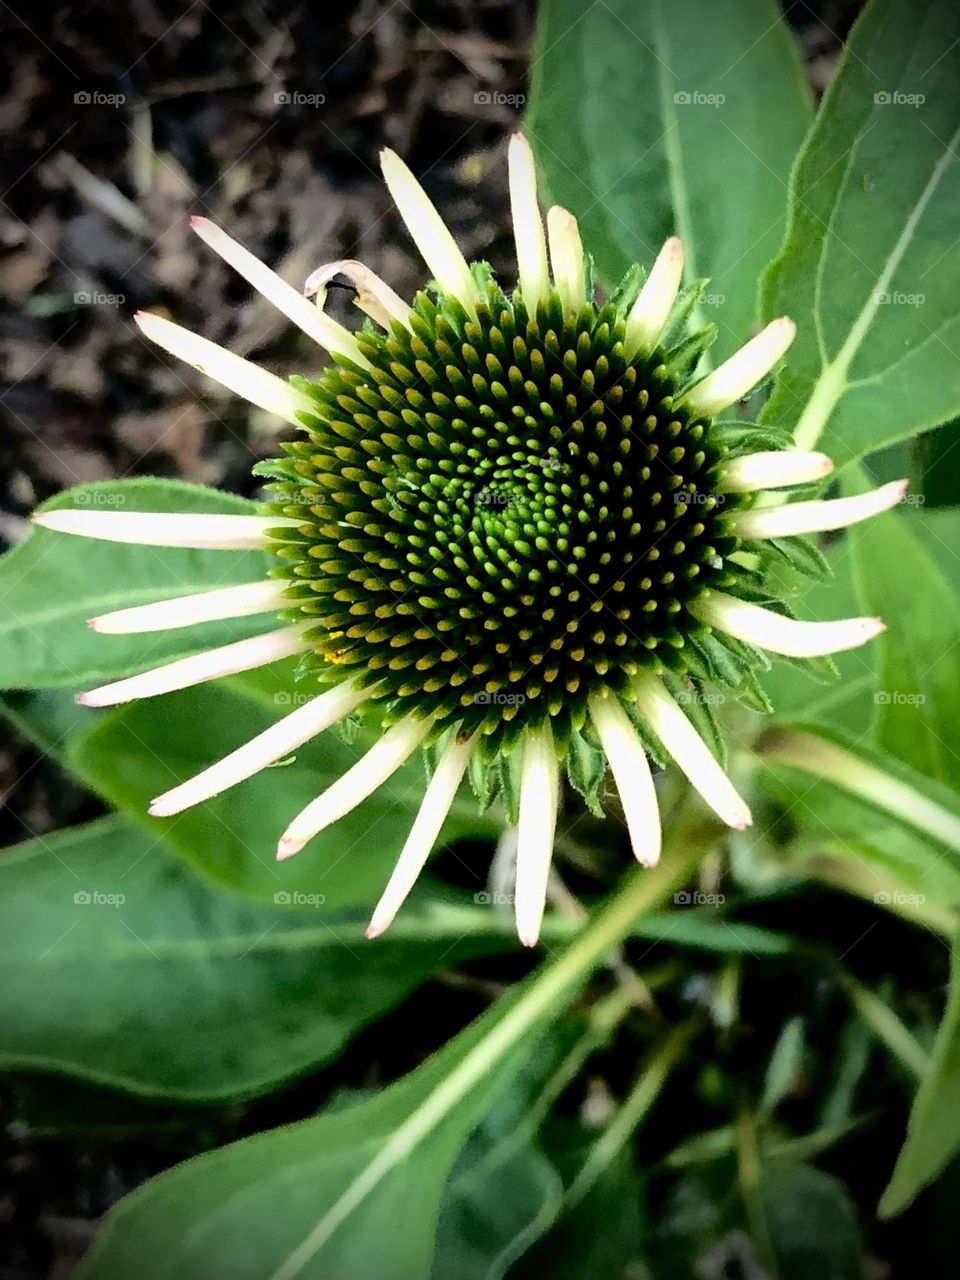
629, 1115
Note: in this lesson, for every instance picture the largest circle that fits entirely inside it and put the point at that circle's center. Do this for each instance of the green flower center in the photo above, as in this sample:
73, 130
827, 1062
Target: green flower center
502, 515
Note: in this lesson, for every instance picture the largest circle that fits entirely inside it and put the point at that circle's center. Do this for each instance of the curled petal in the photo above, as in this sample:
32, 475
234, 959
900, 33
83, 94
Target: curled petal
240, 376
816, 516
265, 749
383, 759
776, 469
430, 233
437, 800
631, 772
244, 655
187, 611
655, 301
374, 296
539, 790
527, 224
689, 750
566, 257
160, 529
741, 373
768, 630
331, 336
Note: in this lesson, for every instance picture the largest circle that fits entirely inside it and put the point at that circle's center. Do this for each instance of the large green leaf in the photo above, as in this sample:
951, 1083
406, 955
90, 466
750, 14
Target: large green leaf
933, 1133
870, 262
356, 1194
646, 121
137, 752
810, 1223
918, 702
52, 583
119, 966
899, 829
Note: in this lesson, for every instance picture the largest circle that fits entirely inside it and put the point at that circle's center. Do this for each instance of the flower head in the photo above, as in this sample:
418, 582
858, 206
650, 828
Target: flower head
511, 526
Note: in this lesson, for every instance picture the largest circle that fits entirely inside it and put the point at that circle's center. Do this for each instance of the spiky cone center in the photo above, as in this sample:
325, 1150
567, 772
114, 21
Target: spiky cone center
501, 516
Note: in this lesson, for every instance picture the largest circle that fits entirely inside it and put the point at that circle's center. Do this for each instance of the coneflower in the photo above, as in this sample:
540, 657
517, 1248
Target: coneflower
512, 528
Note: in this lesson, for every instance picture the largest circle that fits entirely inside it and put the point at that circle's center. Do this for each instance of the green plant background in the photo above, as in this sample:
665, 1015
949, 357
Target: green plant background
663, 1078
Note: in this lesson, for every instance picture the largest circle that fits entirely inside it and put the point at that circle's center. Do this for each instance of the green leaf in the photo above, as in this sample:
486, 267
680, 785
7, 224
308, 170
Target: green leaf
933, 1131
52, 583
120, 967
783, 1068
356, 1194
870, 259
918, 701
899, 830
811, 1223
646, 121
141, 750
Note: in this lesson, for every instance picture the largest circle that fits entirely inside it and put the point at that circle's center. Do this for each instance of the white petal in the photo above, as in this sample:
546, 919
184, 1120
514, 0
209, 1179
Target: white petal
331, 336
158, 529
655, 301
768, 630
631, 772
430, 234
243, 655
776, 469
186, 611
814, 517
240, 376
437, 800
527, 224
539, 789
265, 749
741, 373
690, 752
374, 296
566, 257
360, 781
